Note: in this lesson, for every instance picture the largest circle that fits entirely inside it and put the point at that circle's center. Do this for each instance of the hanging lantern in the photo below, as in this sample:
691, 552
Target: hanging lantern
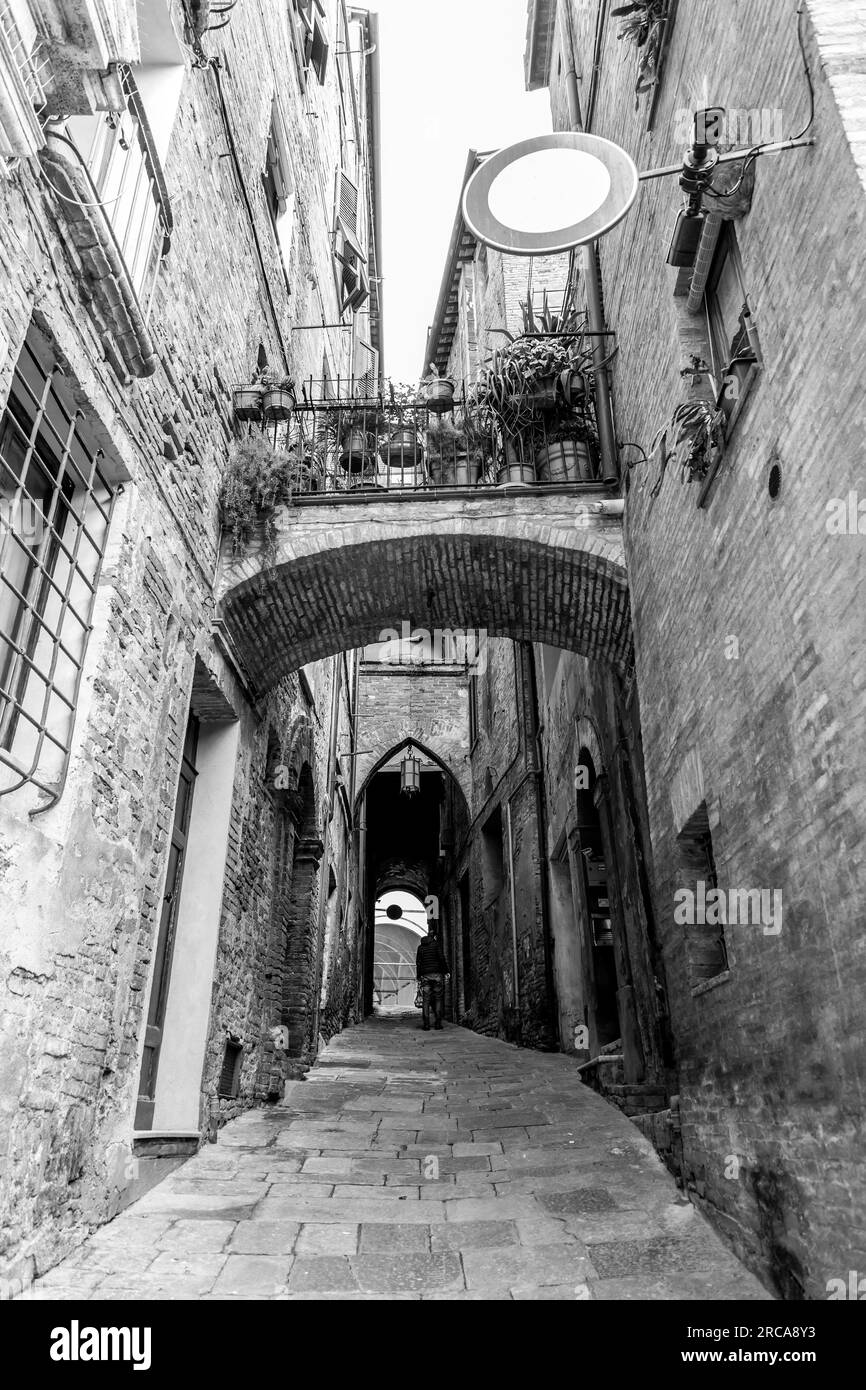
410, 773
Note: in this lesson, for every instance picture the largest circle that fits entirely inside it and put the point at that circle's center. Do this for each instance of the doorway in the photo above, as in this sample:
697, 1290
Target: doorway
600, 924
167, 929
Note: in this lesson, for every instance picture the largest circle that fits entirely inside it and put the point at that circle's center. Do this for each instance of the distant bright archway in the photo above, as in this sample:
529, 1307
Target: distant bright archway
400, 925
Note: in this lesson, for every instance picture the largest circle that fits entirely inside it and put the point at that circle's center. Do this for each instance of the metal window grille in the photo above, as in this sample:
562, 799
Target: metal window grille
55, 512
25, 46
118, 150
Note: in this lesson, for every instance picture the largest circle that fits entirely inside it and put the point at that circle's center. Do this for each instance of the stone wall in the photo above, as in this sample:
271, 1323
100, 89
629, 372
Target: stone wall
83, 883
747, 618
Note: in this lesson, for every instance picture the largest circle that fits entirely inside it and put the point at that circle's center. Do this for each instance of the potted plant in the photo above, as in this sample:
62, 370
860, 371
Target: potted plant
438, 391
643, 25
247, 399
257, 480
402, 448
566, 452
532, 368
517, 464
694, 437
278, 397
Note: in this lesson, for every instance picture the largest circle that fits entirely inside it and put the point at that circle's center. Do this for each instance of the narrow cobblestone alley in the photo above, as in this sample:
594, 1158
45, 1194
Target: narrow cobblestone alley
407, 1166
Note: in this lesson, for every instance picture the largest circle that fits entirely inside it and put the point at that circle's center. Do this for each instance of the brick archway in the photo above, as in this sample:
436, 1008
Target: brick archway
533, 567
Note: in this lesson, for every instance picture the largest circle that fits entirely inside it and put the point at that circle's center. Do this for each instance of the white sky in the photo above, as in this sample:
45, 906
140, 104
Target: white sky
452, 80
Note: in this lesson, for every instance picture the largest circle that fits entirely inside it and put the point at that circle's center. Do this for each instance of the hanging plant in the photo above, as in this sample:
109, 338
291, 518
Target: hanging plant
438, 391
257, 480
642, 27
694, 437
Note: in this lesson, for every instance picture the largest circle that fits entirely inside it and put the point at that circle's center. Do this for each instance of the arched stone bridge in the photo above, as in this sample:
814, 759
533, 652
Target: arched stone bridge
536, 565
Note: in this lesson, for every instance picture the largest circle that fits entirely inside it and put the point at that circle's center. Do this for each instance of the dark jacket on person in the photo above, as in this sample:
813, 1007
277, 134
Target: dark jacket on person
430, 959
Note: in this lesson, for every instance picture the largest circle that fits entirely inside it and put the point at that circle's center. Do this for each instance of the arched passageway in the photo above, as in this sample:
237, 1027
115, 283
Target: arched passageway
543, 568
400, 925
406, 850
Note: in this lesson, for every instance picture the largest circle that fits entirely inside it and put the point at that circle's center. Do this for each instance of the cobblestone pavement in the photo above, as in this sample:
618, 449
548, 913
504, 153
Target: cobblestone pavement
415, 1165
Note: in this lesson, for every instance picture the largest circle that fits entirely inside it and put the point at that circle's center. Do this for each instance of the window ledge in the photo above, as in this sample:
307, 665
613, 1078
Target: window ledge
743, 394
706, 985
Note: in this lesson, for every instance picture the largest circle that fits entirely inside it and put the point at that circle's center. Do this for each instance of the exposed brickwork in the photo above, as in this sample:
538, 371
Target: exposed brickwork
83, 884
431, 706
772, 1057
540, 566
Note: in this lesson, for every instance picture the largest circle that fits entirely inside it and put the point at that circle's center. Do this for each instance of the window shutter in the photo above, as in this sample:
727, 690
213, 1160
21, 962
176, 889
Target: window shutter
368, 378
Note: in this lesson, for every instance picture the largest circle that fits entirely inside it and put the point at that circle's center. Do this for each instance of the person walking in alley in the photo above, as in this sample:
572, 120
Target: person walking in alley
431, 969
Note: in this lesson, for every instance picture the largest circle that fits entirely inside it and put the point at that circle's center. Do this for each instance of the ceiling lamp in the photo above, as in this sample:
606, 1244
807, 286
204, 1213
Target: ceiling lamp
410, 773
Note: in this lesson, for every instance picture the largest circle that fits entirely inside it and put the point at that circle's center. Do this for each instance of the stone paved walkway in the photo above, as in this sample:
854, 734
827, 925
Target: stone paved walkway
415, 1165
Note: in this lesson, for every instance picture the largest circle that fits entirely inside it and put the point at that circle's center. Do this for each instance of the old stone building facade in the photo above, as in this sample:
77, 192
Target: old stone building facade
177, 862
597, 710
745, 600
606, 806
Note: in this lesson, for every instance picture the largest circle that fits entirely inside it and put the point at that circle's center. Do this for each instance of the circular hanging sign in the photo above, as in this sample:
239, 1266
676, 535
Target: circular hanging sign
549, 194
394, 911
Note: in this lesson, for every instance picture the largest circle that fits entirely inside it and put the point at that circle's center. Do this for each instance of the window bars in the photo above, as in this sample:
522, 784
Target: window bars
56, 505
118, 150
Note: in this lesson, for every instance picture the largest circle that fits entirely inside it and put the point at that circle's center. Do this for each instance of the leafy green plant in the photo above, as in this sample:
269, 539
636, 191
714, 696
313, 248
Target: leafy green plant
642, 27
692, 437
257, 479
446, 436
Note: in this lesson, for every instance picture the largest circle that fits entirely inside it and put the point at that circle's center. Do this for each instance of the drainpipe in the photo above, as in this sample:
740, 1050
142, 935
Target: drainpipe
326, 827
513, 916
595, 312
533, 741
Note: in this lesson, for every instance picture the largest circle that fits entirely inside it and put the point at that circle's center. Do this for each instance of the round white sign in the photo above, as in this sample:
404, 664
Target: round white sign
551, 193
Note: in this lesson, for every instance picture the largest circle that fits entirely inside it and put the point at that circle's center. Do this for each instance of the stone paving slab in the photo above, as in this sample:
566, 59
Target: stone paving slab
540, 1191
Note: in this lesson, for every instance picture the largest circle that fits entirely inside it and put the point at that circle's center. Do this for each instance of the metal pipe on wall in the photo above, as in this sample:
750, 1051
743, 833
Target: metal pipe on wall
594, 307
336, 685
513, 911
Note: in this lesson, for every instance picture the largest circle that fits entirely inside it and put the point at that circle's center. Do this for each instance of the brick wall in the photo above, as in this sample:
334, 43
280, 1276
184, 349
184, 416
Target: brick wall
83, 883
746, 618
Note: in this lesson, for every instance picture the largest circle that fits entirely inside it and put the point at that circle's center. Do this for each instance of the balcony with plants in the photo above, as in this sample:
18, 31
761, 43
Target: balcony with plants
528, 421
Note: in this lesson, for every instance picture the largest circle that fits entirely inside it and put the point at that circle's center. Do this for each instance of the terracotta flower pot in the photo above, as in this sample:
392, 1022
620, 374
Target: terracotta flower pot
247, 401
440, 396
409, 477
402, 449
355, 452
542, 395
565, 461
520, 474
572, 386
278, 403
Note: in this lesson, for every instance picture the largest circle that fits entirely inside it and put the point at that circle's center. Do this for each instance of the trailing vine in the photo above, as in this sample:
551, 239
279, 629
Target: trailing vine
258, 479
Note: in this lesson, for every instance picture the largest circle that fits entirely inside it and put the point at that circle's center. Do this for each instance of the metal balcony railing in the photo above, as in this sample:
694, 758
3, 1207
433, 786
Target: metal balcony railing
342, 438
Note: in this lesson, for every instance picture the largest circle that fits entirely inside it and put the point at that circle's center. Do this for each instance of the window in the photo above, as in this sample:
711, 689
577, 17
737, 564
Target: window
311, 37
278, 185
367, 369
707, 952
55, 511
493, 861
349, 256
120, 153
473, 711
21, 94
733, 342
229, 1086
